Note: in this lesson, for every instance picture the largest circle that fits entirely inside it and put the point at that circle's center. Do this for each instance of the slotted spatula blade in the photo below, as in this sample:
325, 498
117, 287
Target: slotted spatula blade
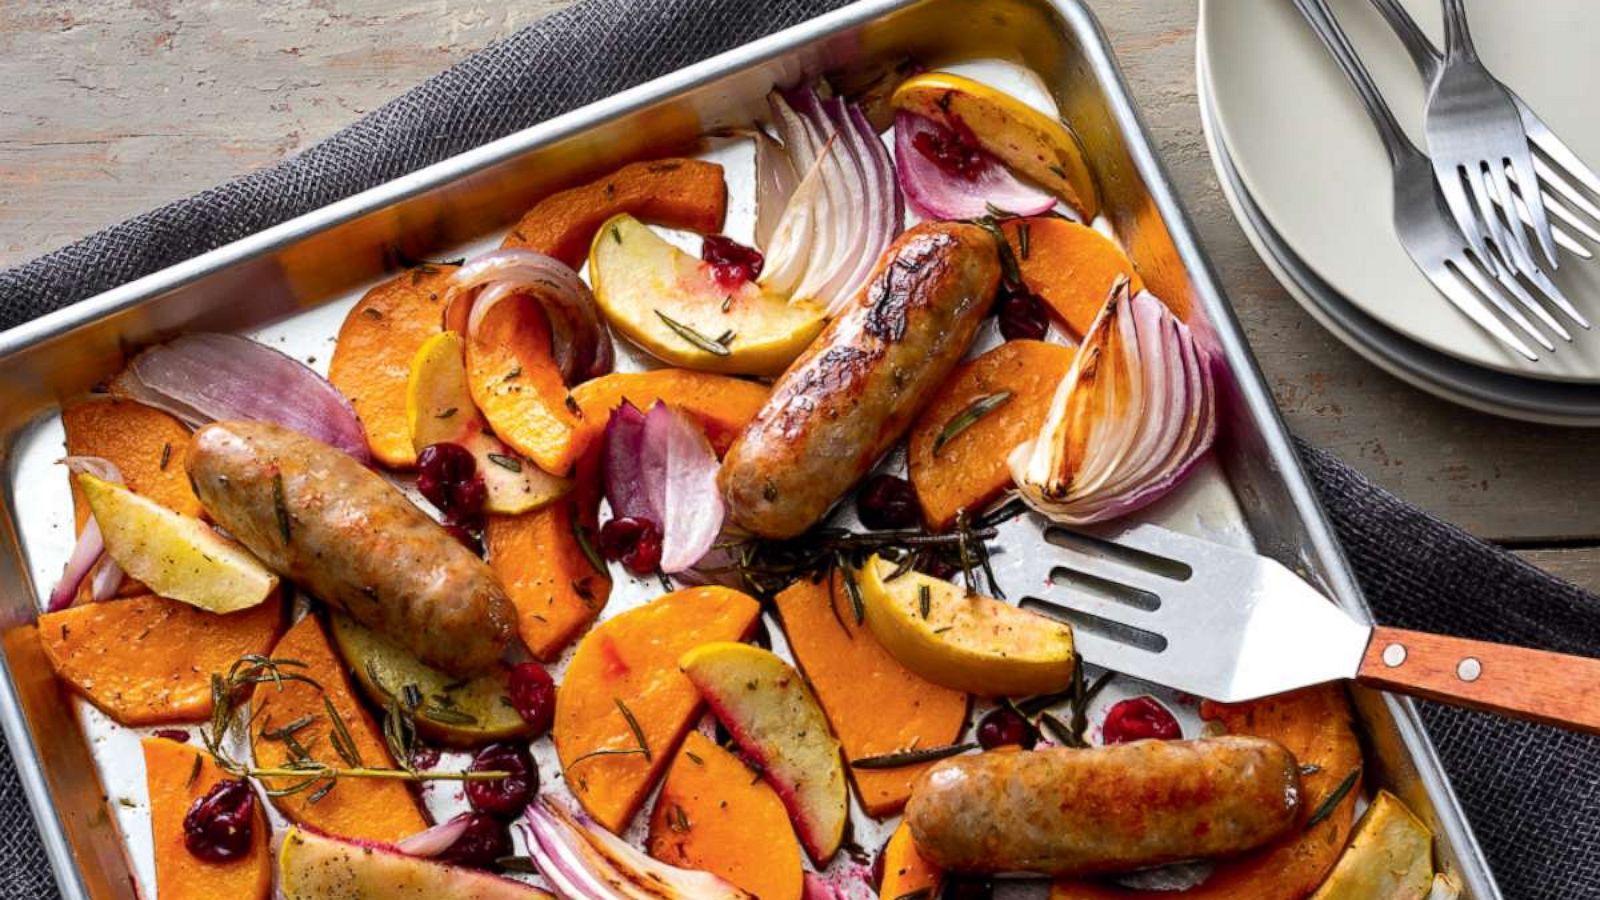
1196, 616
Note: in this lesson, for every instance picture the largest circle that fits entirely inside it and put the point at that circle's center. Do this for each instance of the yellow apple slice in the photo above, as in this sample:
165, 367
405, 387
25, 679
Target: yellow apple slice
176, 556
1031, 143
313, 866
439, 409
964, 641
670, 304
1389, 856
779, 726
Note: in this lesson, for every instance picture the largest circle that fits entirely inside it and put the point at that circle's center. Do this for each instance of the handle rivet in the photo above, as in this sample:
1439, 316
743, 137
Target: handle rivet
1394, 655
1469, 669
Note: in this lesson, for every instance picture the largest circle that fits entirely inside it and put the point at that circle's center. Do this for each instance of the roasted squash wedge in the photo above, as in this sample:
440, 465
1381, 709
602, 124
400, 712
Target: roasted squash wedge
176, 775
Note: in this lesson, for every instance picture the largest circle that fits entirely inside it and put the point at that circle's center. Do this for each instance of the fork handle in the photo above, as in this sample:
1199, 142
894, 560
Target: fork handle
1424, 54
1537, 685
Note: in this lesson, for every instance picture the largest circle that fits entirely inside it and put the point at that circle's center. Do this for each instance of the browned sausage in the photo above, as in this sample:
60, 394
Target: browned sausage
857, 388
319, 518
1105, 809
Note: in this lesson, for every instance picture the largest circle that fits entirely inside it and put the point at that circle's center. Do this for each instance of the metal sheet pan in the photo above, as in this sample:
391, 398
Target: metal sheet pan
292, 283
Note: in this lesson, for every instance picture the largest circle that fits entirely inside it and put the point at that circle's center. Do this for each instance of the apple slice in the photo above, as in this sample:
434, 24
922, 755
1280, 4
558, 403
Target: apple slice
439, 409
777, 723
176, 556
313, 866
670, 304
963, 640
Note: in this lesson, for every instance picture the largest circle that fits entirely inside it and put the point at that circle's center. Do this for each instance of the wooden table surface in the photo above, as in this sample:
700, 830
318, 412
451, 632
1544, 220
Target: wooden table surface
114, 106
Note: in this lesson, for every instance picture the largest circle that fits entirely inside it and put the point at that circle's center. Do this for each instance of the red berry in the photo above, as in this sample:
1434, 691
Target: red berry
503, 798
173, 734
424, 758
1139, 718
1022, 316
1003, 727
954, 150
485, 841
886, 502
732, 263
533, 696
447, 475
219, 825
634, 540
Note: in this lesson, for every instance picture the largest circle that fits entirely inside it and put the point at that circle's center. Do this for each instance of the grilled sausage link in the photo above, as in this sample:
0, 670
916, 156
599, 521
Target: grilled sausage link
319, 518
858, 387
1105, 809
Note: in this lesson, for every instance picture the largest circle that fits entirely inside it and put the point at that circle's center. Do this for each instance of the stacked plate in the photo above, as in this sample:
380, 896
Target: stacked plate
1307, 177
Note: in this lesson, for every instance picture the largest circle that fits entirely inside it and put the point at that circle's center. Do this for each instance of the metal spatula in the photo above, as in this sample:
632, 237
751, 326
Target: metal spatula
1233, 625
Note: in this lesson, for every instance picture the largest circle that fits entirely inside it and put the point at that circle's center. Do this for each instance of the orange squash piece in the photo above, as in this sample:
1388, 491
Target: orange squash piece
970, 470
148, 660
722, 405
1070, 266
515, 382
677, 193
714, 816
556, 590
905, 872
372, 357
1315, 724
371, 809
177, 775
874, 704
145, 444
630, 663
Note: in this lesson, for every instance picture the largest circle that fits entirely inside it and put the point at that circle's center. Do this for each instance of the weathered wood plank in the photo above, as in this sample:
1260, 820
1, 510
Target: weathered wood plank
129, 103
1580, 565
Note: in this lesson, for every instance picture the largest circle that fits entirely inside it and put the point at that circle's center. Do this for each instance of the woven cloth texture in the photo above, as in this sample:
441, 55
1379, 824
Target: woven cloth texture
1533, 793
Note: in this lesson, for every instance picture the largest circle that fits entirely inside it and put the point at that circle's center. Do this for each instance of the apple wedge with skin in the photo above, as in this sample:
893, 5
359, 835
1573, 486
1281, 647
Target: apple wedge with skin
671, 305
439, 410
779, 726
314, 866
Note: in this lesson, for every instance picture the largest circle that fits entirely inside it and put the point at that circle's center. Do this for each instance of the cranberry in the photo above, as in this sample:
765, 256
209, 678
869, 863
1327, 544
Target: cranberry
954, 149
1138, 718
634, 540
732, 263
1004, 727
533, 696
1022, 316
448, 476
485, 840
424, 758
887, 501
219, 825
938, 567
173, 734
506, 797
466, 536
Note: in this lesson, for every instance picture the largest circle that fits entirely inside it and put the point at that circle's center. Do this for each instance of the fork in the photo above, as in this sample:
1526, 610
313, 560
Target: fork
1232, 625
1422, 221
1549, 183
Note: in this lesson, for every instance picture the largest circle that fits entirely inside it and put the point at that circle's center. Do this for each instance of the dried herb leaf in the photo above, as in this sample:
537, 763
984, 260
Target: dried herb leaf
1331, 802
903, 758
509, 463
694, 337
633, 726
968, 417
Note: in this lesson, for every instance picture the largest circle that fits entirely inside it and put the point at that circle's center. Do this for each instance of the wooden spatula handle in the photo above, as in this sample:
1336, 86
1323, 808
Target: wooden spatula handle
1551, 688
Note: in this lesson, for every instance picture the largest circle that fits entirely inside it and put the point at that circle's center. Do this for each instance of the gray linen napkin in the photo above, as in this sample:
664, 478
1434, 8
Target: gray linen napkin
1533, 793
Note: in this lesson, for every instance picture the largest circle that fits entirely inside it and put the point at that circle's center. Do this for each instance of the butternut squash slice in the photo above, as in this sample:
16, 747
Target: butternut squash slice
1315, 724
874, 704
147, 660
176, 775
967, 469
518, 388
713, 815
721, 404
372, 356
366, 808
677, 193
623, 686
1070, 266
905, 872
555, 588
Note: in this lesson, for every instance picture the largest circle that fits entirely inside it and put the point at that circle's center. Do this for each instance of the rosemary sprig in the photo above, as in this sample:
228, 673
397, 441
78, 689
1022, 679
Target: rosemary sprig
280, 506
1331, 802
902, 758
968, 417
699, 340
633, 726
509, 463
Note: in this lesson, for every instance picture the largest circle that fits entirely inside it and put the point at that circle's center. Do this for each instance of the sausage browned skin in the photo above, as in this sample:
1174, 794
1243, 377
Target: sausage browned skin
858, 387
319, 518
1105, 809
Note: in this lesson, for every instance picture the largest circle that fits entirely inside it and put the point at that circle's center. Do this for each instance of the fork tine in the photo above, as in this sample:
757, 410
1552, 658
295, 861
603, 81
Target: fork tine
1501, 190
1542, 137
1523, 165
1494, 232
1467, 269
1455, 197
1510, 283
1542, 281
1563, 239
1558, 183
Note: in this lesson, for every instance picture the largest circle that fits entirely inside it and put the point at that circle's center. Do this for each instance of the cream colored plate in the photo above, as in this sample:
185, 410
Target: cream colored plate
1306, 152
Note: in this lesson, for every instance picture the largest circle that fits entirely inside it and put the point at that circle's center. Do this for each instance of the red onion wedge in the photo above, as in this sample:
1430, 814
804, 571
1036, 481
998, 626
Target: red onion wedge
205, 377
433, 841
938, 194
90, 548
830, 234
659, 466
775, 184
579, 339
583, 861
1135, 412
